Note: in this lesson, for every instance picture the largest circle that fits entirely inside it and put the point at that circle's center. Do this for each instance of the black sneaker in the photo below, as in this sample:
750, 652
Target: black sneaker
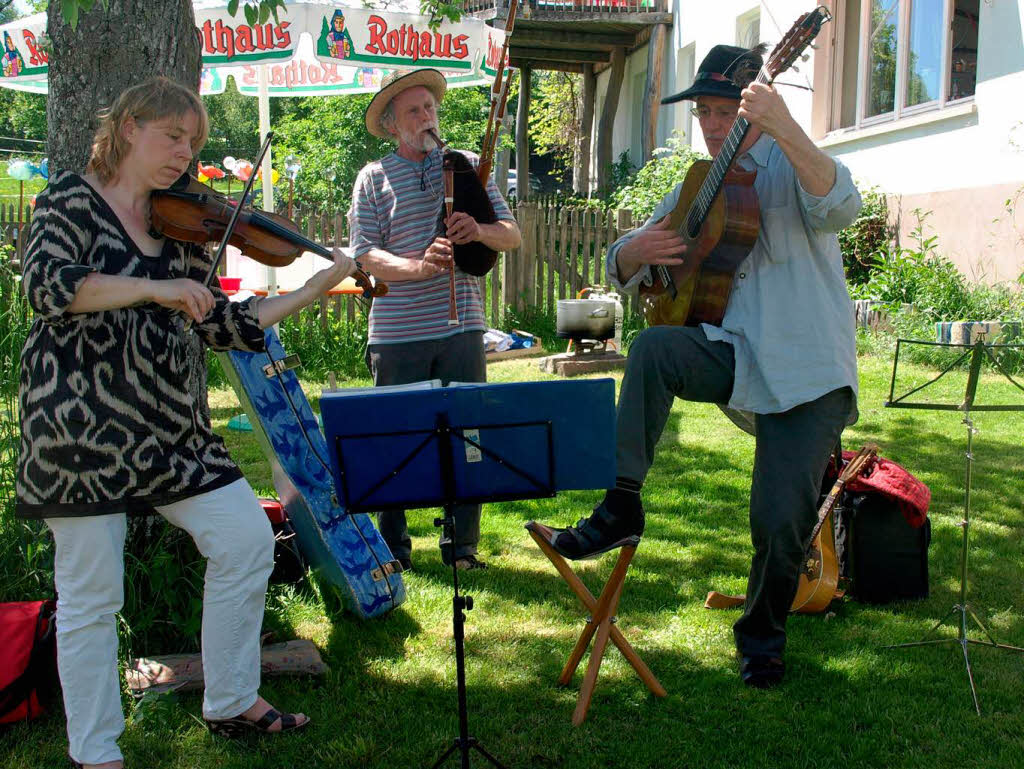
600, 532
406, 564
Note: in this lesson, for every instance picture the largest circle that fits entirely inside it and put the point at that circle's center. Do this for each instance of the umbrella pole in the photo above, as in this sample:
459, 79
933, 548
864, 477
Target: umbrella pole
268, 182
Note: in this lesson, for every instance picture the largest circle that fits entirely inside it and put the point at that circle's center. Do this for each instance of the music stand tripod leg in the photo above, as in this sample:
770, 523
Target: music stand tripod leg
460, 603
962, 607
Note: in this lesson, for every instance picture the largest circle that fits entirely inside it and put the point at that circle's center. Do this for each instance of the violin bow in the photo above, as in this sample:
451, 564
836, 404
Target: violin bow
234, 215
499, 97
232, 222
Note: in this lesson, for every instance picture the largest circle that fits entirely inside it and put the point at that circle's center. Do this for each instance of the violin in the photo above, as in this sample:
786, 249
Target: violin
193, 212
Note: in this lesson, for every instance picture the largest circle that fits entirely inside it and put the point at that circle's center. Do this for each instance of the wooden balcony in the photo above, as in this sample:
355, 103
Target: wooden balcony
653, 11
568, 35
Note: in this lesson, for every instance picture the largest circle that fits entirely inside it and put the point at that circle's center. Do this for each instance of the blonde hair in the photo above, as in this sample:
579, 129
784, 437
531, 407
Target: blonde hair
155, 99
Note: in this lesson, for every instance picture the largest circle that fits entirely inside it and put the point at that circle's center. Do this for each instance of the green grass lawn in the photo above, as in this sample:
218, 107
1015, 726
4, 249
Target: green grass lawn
389, 699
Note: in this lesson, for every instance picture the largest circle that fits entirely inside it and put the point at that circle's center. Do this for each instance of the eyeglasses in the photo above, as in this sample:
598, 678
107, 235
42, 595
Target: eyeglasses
703, 113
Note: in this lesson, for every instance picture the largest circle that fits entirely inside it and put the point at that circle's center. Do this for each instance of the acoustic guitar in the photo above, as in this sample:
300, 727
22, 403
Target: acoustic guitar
717, 214
819, 573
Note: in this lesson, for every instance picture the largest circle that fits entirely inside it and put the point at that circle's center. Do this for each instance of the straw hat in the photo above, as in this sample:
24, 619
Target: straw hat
392, 85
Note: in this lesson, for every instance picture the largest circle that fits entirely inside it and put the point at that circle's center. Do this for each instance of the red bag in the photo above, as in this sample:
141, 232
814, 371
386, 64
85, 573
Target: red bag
892, 481
26, 657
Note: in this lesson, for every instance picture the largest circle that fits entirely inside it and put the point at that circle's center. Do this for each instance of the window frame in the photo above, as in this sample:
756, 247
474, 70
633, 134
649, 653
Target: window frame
834, 102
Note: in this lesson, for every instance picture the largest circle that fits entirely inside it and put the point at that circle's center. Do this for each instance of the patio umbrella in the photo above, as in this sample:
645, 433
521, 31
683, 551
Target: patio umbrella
315, 48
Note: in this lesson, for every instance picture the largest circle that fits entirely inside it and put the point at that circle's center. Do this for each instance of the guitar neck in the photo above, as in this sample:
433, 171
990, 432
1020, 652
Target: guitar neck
852, 470
712, 184
828, 506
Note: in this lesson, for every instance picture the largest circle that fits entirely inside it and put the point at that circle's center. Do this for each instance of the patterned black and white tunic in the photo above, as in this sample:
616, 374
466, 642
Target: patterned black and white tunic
107, 421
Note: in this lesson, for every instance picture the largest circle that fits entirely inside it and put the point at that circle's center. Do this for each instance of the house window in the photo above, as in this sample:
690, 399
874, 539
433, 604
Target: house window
897, 57
881, 56
685, 64
964, 45
748, 29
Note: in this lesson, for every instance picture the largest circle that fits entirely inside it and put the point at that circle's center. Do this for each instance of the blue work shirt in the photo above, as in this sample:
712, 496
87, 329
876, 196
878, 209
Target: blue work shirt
789, 318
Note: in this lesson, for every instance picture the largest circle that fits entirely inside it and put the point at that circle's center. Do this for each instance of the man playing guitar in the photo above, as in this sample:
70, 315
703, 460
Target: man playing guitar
784, 353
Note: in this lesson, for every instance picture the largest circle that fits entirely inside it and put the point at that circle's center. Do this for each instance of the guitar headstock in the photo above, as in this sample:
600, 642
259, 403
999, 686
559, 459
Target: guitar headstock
792, 46
856, 465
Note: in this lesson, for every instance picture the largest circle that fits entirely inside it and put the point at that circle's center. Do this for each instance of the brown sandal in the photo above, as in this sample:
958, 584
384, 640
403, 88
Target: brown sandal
233, 728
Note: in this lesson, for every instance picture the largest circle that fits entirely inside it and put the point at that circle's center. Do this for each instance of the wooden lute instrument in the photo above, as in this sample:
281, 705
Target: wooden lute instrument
819, 572
717, 214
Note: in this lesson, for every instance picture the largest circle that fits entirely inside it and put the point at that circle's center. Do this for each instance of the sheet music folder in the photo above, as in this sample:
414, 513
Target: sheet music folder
516, 440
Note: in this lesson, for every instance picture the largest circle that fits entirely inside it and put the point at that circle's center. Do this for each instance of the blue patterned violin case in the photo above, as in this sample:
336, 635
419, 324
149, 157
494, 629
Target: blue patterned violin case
345, 549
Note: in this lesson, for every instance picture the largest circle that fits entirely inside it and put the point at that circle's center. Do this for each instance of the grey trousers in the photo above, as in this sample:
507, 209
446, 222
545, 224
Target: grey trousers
458, 358
792, 451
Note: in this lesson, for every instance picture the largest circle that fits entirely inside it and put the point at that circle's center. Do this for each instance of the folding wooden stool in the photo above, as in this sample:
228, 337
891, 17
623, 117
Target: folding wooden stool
601, 620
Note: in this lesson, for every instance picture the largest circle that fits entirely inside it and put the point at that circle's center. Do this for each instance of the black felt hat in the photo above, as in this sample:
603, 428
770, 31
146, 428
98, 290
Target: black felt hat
716, 73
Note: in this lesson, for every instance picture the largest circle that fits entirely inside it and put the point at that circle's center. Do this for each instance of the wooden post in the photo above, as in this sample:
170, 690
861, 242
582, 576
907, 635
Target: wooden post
563, 240
522, 136
623, 224
652, 90
527, 256
599, 278
542, 254
581, 178
550, 258
496, 305
607, 122
574, 252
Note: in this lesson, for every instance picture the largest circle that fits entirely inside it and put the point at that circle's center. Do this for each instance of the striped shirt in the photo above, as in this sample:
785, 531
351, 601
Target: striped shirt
390, 211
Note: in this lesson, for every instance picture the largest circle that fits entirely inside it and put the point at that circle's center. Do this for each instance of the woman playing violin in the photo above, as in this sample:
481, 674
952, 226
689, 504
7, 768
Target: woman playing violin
108, 425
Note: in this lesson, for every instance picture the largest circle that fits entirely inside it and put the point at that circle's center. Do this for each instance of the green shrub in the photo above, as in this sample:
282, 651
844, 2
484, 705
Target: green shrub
866, 237
339, 348
657, 178
26, 550
918, 276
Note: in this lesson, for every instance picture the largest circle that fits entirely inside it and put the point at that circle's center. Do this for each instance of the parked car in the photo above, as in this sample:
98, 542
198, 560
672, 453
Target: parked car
512, 185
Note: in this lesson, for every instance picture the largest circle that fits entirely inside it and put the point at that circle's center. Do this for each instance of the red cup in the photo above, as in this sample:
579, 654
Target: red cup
229, 284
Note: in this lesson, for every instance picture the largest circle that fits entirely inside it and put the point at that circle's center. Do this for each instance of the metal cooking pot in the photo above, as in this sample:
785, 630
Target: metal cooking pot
586, 319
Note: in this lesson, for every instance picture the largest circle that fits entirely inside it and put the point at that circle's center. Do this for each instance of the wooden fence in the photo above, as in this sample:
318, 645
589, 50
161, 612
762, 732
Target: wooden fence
562, 252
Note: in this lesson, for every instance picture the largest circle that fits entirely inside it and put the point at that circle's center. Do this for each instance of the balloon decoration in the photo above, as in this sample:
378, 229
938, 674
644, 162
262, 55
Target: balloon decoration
206, 173
292, 166
22, 170
242, 170
44, 168
274, 175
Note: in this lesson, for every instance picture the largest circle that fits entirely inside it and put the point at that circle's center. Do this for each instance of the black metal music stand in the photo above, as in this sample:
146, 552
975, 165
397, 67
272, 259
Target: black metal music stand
444, 436
976, 352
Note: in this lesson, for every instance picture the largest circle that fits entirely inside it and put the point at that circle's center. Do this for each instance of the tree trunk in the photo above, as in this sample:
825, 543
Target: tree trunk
112, 49
581, 179
652, 90
523, 136
607, 121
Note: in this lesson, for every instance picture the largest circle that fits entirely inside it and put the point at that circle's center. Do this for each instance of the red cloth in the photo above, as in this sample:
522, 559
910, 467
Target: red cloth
885, 477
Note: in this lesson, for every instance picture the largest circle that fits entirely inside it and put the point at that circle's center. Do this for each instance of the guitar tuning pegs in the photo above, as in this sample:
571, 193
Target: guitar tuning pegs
805, 57
795, 68
812, 46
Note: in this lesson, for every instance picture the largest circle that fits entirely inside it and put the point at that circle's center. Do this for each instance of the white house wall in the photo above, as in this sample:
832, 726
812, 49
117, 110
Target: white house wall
698, 27
962, 162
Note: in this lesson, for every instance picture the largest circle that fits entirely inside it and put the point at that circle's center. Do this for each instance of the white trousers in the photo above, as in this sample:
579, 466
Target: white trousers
231, 531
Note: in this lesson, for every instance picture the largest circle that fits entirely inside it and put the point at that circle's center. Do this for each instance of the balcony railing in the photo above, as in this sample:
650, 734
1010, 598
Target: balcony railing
569, 8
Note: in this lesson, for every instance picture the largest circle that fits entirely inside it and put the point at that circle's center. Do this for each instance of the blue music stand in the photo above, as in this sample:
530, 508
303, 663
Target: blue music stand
469, 443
